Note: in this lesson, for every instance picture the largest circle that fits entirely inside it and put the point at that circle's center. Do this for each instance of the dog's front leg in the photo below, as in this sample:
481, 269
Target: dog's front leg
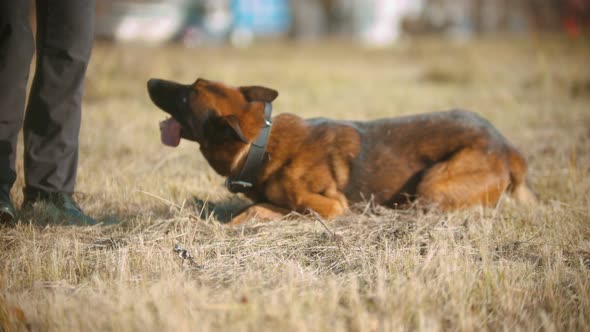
261, 211
327, 207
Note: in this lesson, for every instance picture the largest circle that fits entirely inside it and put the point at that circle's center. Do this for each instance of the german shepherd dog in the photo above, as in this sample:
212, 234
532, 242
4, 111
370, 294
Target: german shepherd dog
448, 160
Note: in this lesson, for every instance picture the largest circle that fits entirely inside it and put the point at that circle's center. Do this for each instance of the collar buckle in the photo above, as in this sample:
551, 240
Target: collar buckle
236, 186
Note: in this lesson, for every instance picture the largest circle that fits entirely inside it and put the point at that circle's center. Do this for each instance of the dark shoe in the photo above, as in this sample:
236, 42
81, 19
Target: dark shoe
7, 212
69, 212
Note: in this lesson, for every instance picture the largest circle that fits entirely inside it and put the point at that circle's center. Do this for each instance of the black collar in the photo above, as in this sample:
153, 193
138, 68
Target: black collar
247, 177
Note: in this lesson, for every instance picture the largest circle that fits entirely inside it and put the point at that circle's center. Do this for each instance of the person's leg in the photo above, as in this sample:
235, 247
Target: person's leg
65, 33
16, 51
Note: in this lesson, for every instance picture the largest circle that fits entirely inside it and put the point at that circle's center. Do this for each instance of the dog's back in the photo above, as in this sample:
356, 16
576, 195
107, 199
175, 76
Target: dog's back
397, 153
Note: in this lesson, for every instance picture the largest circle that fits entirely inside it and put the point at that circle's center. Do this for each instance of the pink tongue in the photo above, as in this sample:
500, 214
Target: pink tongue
170, 132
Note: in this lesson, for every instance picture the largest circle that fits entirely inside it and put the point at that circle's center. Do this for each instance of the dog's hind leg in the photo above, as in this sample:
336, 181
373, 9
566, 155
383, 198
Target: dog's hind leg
518, 188
470, 177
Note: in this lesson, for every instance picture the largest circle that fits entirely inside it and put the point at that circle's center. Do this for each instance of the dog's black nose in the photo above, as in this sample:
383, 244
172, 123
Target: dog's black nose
153, 84
171, 97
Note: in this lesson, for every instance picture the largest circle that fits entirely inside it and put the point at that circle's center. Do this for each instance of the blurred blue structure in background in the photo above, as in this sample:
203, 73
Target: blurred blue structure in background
263, 17
259, 18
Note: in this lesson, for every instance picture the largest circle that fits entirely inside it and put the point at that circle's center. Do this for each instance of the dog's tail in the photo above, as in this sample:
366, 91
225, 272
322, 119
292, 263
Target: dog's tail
518, 188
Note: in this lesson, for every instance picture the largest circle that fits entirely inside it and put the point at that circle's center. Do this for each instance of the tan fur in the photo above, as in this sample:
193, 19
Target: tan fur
239, 159
523, 194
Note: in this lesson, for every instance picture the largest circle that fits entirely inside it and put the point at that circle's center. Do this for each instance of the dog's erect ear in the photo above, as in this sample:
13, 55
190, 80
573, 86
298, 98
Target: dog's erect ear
259, 93
234, 123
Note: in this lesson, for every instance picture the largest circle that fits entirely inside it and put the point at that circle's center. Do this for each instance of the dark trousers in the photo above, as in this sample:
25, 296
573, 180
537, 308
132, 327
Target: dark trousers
65, 32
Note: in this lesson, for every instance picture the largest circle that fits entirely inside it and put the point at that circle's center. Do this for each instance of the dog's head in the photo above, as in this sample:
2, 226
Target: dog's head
219, 117
210, 112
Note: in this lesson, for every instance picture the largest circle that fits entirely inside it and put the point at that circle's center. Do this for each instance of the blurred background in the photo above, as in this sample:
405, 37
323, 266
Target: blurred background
370, 22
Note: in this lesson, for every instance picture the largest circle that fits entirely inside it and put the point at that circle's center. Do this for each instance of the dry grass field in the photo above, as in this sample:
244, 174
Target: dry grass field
509, 268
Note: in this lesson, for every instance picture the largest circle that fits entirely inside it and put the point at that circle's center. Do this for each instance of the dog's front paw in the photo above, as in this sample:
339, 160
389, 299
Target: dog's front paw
259, 212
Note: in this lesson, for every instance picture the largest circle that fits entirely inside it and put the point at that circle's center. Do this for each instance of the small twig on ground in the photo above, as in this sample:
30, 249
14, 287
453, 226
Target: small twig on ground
185, 255
534, 236
335, 237
326, 227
